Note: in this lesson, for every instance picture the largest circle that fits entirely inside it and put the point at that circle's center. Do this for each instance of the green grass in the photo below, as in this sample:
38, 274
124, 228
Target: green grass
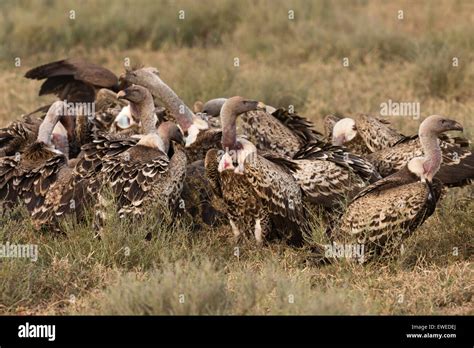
282, 62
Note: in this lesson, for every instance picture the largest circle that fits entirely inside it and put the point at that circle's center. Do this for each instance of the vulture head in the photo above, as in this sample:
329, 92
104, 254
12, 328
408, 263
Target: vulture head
190, 124
427, 166
213, 107
344, 131
142, 107
436, 124
236, 150
134, 94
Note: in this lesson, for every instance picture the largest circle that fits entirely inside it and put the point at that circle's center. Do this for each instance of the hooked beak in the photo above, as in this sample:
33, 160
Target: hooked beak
456, 126
121, 94
261, 106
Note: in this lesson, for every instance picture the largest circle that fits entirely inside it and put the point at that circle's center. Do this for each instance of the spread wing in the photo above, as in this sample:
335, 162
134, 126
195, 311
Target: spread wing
63, 71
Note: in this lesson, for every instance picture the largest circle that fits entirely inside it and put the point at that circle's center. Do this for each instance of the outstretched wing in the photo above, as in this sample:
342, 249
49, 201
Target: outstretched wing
76, 68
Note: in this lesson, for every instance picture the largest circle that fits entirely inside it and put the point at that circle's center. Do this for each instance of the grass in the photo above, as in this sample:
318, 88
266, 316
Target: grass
282, 62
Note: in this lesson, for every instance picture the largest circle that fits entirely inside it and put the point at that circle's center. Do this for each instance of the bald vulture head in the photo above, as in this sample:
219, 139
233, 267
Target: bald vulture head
213, 107
427, 166
135, 94
142, 106
230, 110
436, 124
189, 123
344, 131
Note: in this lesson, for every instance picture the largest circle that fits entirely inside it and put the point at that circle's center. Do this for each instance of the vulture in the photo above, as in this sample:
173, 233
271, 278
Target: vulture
259, 194
199, 138
325, 173
270, 129
385, 213
141, 170
74, 80
19, 134
28, 177
152, 170
457, 167
389, 151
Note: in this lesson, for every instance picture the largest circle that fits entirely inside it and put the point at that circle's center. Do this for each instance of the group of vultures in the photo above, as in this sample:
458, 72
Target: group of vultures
263, 171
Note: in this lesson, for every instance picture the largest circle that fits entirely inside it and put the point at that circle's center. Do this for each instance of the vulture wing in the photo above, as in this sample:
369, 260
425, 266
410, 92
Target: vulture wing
384, 215
457, 167
377, 134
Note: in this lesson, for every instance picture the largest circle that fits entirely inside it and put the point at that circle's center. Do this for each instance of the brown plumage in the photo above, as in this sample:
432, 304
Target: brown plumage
389, 150
275, 130
457, 167
19, 134
386, 212
28, 177
362, 135
329, 174
74, 79
150, 172
259, 195
281, 132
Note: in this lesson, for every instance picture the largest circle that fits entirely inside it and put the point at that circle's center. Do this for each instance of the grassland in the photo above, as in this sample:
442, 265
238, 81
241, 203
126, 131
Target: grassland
282, 62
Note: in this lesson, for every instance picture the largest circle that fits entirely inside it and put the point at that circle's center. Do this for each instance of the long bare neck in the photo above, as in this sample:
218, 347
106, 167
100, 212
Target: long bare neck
163, 132
229, 128
183, 115
432, 153
145, 112
48, 124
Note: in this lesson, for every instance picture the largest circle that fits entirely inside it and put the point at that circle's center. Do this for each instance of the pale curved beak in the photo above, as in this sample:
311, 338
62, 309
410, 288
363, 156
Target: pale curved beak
261, 106
121, 94
457, 126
